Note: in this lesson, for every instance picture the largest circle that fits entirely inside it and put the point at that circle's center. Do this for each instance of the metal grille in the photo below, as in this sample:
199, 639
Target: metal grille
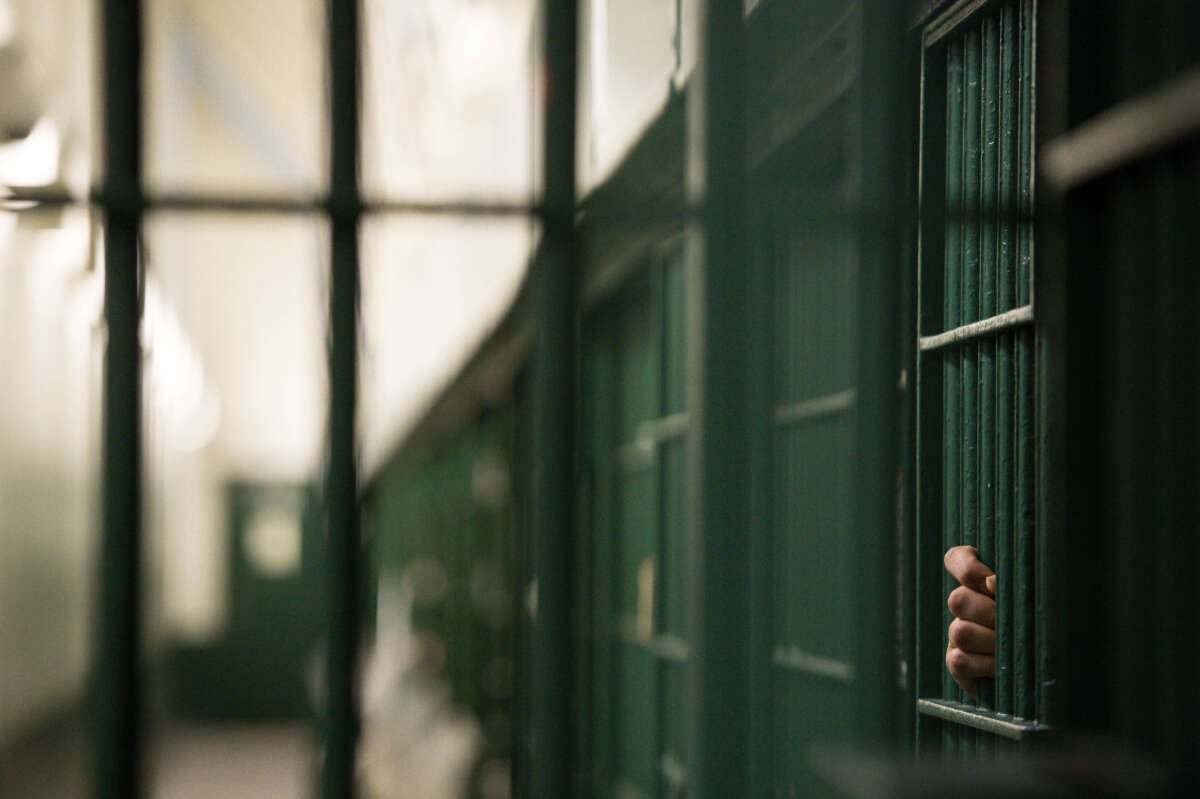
976, 425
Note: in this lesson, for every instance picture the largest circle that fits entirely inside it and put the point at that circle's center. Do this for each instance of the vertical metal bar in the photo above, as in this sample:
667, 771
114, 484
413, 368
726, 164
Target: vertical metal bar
970, 306
989, 113
601, 370
554, 399
1129, 484
1023, 582
1005, 299
658, 532
1177, 228
951, 438
341, 475
717, 606
930, 579
1063, 39
1165, 422
763, 605
787, 543
970, 288
880, 154
783, 281
118, 750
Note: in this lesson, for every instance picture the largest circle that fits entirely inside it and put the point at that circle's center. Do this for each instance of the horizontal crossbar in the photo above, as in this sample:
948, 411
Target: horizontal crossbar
16, 199
793, 658
999, 724
1125, 133
815, 408
1017, 317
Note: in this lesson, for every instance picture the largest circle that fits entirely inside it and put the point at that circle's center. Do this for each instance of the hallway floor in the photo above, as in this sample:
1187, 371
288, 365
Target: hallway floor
192, 761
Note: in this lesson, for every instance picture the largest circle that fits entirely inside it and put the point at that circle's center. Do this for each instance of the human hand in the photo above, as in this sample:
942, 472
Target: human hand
971, 653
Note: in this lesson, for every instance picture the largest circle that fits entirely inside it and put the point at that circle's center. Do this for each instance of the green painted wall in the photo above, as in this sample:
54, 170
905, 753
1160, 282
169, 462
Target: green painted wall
446, 522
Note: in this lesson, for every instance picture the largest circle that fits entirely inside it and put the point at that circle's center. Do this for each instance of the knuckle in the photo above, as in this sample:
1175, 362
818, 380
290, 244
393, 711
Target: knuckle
955, 633
958, 601
956, 661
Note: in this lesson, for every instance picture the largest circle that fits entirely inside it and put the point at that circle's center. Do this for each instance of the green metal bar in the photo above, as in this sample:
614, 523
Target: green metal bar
554, 434
1028, 639
978, 720
984, 328
989, 110
1170, 411
952, 317
989, 156
881, 155
717, 695
783, 281
601, 366
25, 199
972, 134
1025, 145
925, 602
202, 202
1128, 479
920, 471
341, 469
1178, 197
1005, 297
118, 755
763, 605
662, 715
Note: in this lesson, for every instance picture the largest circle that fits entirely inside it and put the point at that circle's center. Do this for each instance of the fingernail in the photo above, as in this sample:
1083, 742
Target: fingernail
991, 583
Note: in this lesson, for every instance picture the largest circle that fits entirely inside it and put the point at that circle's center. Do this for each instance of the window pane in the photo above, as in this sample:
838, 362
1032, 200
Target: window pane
441, 524
448, 99
432, 288
235, 397
629, 57
235, 96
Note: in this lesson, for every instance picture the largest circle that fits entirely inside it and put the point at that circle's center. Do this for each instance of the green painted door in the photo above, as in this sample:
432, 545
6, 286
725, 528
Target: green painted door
637, 425
811, 268
262, 664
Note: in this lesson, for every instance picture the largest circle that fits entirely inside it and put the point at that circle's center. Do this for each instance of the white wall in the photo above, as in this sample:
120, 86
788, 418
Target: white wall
49, 409
49, 386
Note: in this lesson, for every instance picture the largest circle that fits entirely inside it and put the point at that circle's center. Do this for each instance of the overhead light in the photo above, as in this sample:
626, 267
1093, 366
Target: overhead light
32, 161
8, 23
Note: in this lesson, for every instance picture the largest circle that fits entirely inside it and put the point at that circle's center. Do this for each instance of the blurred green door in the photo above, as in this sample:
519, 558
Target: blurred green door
262, 663
637, 427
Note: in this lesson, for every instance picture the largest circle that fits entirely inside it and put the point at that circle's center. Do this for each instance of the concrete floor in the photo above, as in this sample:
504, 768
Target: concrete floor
235, 762
259, 761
